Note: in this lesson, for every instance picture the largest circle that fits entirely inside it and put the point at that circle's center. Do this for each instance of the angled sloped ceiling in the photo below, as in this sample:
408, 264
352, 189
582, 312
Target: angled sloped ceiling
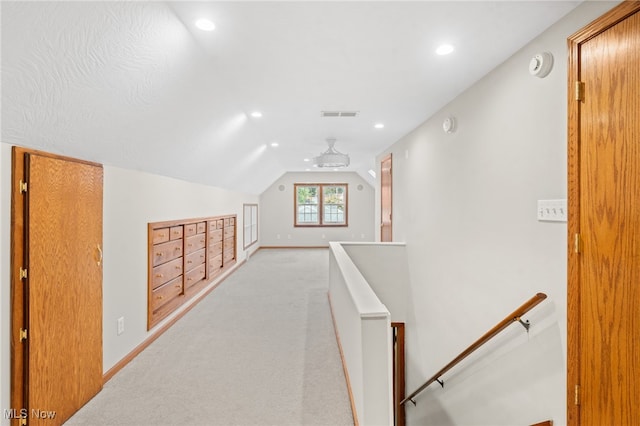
135, 85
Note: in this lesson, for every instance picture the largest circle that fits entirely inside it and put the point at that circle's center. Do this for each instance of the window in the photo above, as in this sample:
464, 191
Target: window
250, 223
320, 204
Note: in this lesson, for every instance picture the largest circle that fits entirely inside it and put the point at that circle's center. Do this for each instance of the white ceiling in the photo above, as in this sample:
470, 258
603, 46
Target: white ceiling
136, 85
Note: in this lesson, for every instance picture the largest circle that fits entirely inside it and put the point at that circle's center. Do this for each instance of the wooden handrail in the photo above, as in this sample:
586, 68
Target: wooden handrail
510, 319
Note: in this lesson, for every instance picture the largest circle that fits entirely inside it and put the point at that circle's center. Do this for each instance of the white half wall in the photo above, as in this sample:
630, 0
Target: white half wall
363, 328
465, 204
131, 200
277, 208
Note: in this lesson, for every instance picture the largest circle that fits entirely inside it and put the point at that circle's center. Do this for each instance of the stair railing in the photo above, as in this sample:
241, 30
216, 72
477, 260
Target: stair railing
514, 317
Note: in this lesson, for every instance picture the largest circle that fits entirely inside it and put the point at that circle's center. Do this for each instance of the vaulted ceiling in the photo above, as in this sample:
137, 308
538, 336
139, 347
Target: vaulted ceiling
137, 85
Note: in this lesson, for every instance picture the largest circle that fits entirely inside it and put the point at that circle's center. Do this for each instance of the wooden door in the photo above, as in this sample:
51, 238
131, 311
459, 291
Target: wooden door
604, 226
385, 199
62, 299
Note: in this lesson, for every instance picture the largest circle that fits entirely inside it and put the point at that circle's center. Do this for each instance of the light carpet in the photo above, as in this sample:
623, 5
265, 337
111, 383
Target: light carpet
259, 350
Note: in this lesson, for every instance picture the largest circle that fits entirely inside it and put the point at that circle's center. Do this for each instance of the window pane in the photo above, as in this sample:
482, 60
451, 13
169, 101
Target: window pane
307, 205
333, 199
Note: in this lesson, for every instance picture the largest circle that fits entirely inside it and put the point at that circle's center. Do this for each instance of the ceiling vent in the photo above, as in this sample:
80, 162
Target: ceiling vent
338, 113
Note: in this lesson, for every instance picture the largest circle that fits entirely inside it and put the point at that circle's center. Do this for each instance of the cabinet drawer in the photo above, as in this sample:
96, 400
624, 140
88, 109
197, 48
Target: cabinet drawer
215, 235
232, 221
215, 249
194, 243
164, 294
194, 259
215, 263
166, 272
228, 257
220, 223
175, 232
229, 232
190, 229
160, 235
193, 276
201, 227
229, 244
227, 221
165, 252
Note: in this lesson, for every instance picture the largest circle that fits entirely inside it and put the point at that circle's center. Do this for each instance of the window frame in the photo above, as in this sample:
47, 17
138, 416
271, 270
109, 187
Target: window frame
250, 225
321, 219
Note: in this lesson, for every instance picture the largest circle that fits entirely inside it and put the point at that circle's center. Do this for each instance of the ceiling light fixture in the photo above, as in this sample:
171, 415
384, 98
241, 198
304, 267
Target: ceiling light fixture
379, 126
256, 114
205, 25
444, 49
331, 157
306, 160
275, 144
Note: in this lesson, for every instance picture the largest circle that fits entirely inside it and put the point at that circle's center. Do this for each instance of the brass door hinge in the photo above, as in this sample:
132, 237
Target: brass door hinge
579, 91
23, 273
577, 395
23, 334
23, 186
576, 243
22, 422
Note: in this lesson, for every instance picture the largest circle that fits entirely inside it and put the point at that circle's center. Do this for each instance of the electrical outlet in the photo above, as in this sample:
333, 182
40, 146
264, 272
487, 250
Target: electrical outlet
120, 325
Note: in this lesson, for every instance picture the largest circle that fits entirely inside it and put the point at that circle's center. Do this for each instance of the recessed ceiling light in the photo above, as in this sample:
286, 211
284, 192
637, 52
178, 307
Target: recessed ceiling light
307, 170
444, 49
256, 114
205, 25
379, 126
274, 144
306, 160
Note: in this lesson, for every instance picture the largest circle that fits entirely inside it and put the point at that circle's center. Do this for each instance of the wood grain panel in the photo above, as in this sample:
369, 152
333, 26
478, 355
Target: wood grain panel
604, 167
64, 285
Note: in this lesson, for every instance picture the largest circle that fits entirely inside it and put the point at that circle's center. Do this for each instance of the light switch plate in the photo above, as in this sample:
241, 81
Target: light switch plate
552, 210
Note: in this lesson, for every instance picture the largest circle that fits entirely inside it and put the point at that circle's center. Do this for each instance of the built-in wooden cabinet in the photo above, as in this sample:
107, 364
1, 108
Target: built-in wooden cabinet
184, 257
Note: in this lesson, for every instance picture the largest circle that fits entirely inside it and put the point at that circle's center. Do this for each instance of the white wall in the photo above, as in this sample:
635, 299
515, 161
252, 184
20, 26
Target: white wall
131, 200
465, 203
276, 212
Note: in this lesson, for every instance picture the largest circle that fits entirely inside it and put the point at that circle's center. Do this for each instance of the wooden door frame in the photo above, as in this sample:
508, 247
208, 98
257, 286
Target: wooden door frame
606, 21
19, 351
385, 158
